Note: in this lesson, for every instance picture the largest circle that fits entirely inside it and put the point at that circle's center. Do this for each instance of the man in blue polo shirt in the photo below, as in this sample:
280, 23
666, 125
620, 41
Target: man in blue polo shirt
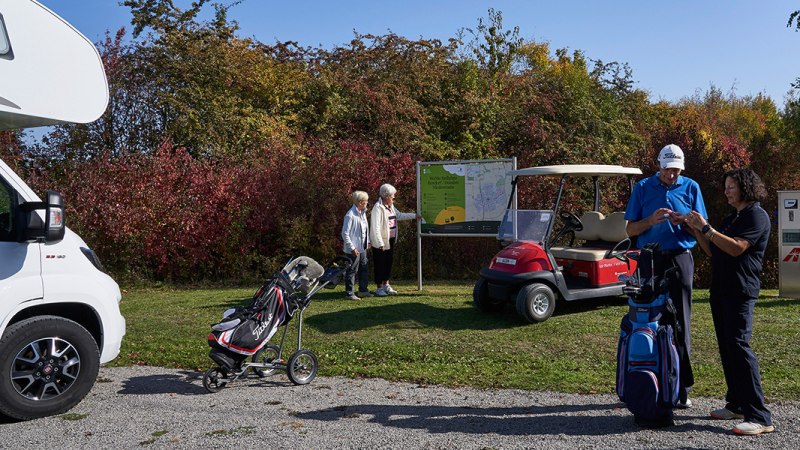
656, 213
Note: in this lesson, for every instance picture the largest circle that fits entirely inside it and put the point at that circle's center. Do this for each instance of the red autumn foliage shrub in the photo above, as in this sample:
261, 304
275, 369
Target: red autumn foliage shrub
163, 215
170, 216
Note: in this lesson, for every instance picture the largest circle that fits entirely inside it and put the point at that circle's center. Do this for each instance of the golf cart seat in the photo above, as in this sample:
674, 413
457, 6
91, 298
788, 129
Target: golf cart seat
592, 223
600, 234
613, 228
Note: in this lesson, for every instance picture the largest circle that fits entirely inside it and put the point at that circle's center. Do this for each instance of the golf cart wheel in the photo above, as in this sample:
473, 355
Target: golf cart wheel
481, 299
268, 354
302, 367
214, 379
47, 365
536, 302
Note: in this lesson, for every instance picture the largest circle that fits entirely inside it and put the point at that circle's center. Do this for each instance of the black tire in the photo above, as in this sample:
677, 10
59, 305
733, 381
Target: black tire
215, 379
302, 367
536, 302
267, 354
481, 299
34, 381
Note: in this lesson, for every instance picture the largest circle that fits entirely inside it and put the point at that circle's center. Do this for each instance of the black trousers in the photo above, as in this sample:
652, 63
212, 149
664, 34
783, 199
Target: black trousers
733, 323
681, 295
382, 262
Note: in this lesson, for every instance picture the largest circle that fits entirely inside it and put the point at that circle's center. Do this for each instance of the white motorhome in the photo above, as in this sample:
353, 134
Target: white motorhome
59, 311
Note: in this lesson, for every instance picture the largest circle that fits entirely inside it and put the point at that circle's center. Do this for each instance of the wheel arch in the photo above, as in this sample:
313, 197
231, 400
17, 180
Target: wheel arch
79, 313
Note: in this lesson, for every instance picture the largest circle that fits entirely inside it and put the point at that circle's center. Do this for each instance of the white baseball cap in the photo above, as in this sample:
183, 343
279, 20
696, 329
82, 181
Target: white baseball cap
671, 157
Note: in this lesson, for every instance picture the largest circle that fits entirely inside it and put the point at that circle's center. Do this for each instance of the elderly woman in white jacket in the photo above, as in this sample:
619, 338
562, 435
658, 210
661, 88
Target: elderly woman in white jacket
383, 236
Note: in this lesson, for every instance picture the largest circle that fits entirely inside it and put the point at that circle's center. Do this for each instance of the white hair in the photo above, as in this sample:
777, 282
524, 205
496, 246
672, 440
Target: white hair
358, 196
387, 190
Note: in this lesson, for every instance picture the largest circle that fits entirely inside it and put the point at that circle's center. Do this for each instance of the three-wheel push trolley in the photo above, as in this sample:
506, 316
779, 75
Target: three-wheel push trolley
245, 331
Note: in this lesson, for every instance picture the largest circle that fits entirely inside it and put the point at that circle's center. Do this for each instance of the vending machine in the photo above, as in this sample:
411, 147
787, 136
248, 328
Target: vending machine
789, 243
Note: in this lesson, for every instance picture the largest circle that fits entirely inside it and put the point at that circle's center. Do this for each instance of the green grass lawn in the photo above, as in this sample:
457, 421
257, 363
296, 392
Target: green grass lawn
437, 336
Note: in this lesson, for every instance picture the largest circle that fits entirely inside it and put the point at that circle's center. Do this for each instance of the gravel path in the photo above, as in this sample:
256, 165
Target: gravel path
152, 407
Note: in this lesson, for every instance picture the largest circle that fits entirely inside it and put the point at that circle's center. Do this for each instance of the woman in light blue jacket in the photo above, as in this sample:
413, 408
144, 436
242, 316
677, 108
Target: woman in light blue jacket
355, 234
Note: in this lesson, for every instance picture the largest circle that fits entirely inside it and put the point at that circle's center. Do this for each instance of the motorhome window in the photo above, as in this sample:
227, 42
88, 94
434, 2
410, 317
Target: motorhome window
5, 45
6, 212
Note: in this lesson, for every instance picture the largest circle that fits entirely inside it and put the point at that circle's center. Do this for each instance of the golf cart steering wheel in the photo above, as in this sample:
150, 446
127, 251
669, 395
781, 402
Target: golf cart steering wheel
620, 250
571, 221
571, 224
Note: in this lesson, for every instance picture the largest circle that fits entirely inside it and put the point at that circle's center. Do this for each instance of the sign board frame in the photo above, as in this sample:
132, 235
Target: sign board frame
444, 233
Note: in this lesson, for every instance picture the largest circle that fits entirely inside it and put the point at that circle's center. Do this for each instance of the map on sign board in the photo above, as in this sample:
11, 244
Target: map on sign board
468, 198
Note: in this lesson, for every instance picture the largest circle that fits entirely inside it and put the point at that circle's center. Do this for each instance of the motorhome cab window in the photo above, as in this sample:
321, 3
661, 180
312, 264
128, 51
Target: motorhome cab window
6, 213
5, 46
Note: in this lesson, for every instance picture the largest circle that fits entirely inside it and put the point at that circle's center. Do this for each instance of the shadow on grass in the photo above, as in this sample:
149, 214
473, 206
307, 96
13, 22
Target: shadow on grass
564, 308
415, 314
338, 293
764, 301
409, 315
221, 306
573, 420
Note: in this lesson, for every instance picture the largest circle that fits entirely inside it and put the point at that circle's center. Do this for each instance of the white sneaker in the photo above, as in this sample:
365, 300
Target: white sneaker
390, 290
381, 292
752, 428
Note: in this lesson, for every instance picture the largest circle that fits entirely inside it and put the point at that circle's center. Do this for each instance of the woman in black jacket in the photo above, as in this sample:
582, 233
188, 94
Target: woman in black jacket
737, 252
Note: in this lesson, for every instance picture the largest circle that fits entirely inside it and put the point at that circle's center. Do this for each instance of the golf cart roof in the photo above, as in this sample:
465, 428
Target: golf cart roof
580, 170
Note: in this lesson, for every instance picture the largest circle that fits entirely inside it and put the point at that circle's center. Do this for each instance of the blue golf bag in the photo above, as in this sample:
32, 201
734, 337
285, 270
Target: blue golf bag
648, 352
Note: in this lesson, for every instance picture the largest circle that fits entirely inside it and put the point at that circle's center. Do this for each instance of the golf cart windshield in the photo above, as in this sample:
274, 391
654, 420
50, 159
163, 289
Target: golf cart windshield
525, 225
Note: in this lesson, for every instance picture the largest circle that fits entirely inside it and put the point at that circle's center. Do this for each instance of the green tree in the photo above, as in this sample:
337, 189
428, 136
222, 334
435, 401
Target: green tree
204, 88
794, 20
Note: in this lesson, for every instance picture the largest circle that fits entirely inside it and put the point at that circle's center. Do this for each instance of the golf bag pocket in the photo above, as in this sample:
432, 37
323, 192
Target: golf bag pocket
670, 366
622, 355
243, 332
642, 393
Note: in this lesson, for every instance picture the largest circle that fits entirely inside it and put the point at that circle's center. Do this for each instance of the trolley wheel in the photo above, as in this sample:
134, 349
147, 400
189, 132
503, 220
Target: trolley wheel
302, 367
481, 299
536, 302
213, 379
267, 354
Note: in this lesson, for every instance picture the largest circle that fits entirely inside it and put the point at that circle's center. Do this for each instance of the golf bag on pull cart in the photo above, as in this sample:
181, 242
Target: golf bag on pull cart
648, 351
244, 331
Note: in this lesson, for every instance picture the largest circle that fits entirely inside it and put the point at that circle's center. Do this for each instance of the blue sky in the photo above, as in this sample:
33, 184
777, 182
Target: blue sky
675, 48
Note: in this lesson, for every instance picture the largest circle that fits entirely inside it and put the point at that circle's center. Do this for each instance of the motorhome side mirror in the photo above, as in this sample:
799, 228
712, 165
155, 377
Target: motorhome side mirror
53, 227
54, 219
